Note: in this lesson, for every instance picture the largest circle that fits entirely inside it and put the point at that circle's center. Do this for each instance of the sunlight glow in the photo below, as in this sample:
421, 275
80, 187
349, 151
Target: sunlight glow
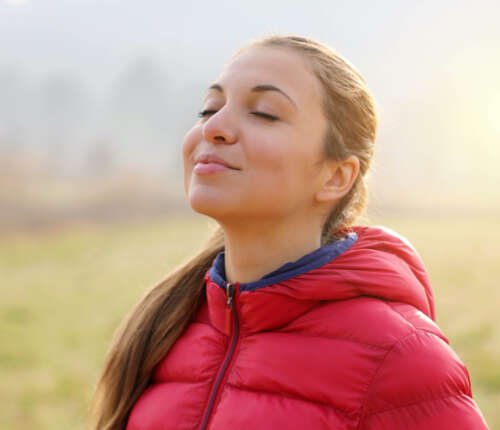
474, 77
493, 114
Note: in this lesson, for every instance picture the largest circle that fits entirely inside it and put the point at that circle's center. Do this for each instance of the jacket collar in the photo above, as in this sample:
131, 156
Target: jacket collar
308, 262
369, 261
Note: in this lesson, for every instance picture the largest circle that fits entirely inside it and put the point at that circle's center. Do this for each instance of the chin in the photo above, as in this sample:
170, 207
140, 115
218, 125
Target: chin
213, 205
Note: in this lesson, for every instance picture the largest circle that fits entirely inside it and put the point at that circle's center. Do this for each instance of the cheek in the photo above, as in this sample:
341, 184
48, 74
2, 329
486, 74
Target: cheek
278, 167
290, 174
280, 157
268, 153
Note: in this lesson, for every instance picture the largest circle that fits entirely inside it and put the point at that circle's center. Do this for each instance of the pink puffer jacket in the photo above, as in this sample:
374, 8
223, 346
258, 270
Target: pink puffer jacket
343, 338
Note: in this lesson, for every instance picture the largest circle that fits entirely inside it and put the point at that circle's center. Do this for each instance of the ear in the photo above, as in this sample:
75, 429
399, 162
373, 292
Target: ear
338, 179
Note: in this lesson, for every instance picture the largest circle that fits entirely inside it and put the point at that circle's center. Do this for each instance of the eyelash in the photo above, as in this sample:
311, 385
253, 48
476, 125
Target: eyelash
203, 113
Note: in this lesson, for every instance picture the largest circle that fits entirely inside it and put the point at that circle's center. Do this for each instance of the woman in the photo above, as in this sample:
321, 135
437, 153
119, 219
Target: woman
292, 317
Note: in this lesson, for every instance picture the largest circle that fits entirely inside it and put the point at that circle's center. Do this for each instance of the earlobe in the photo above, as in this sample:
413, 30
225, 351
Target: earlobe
339, 178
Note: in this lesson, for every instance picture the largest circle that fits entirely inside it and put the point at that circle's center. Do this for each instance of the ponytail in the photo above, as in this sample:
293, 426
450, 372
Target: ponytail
147, 334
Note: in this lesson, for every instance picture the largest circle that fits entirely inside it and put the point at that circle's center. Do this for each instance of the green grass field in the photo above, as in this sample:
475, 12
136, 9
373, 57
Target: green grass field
63, 294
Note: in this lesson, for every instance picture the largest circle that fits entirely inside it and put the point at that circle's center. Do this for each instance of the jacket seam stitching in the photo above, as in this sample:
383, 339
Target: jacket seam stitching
375, 373
404, 338
399, 341
295, 397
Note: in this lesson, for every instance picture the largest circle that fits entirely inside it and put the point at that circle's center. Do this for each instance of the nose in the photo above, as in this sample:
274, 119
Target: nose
220, 127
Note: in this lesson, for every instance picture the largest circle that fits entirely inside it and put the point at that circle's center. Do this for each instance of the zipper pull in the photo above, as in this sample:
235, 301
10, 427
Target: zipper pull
230, 294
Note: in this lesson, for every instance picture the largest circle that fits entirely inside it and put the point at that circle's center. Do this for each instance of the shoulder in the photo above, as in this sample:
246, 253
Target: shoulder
415, 348
415, 352
412, 378
419, 367
420, 380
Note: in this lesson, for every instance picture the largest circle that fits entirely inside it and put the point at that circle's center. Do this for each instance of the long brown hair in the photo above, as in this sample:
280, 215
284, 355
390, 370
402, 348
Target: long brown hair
154, 324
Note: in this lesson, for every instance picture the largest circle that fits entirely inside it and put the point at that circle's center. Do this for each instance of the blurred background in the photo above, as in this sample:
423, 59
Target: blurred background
95, 98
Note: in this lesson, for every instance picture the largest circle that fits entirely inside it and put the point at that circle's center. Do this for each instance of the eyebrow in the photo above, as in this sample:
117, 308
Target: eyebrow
257, 89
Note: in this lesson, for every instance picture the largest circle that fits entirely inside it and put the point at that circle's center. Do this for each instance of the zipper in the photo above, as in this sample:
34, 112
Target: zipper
231, 311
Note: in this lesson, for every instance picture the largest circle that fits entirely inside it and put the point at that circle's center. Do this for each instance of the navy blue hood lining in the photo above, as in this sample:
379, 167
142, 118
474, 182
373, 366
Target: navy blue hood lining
311, 261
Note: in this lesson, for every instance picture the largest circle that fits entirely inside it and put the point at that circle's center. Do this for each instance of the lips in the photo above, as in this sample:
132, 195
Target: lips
210, 158
209, 168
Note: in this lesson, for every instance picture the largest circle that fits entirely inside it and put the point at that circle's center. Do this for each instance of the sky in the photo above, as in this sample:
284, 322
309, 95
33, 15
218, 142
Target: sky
432, 66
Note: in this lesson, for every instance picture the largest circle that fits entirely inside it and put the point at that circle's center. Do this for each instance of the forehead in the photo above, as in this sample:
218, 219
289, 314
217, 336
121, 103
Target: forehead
276, 66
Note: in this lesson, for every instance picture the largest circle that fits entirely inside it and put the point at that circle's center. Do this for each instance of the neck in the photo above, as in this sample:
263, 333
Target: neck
257, 249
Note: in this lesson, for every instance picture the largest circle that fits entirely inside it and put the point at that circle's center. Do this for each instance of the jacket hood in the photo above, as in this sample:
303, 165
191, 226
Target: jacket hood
368, 261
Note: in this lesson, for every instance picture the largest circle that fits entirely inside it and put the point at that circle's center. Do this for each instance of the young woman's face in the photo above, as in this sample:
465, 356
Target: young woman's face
275, 161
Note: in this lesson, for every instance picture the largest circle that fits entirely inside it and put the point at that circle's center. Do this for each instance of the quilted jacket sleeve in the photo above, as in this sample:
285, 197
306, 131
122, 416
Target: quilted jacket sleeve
421, 384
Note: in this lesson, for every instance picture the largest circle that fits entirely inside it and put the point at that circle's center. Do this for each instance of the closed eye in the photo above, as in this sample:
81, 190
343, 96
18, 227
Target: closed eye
206, 112
266, 115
